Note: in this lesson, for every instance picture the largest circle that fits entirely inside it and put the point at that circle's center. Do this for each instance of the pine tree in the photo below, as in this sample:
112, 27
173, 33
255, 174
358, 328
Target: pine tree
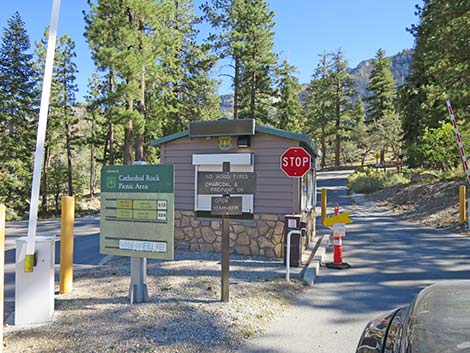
65, 71
246, 36
343, 90
381, 108
122, 37
362, 138
382, 86
440, 68
258, 59
62, 138
17, 116
319, 104
96, 135
185, 91
288, 107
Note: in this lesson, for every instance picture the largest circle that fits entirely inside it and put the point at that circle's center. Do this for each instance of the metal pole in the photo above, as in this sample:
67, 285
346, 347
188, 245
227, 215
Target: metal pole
225, 249
66, 244
323, 205
138, 291
38, 157
468, 214
462, 203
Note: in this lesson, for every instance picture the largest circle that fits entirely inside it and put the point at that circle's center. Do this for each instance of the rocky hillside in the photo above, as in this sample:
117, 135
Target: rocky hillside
401, 67
401, 63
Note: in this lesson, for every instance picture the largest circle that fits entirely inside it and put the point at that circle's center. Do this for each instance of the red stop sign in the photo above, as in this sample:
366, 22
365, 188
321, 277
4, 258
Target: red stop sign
295, 162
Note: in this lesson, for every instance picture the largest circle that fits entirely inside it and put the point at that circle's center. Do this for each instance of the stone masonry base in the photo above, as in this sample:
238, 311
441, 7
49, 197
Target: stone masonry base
262, 236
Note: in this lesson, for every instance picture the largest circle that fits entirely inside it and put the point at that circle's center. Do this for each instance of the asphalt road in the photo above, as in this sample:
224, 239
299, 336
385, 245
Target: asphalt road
391, 261
86, 249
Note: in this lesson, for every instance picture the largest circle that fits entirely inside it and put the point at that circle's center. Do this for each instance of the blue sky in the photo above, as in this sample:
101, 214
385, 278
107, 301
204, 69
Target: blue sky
304, 29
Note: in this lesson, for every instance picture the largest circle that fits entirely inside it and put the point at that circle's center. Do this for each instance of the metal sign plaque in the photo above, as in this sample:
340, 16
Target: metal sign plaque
224, 183
226, 205
137, 211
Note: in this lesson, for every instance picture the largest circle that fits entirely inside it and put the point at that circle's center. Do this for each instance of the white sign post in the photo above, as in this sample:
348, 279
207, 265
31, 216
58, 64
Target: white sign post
41, 136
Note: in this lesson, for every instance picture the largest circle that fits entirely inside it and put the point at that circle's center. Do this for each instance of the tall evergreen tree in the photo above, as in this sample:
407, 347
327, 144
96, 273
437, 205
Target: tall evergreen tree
289, 112
381, 108
17, 115
96, 134
440, 68
65, 71
318, 105
382, 86
122, 37
184, 90
342, 92
246, 36
361, 135
62, 134
258, 59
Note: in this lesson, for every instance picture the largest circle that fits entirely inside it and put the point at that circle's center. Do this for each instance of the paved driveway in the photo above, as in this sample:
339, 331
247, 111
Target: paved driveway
391, 261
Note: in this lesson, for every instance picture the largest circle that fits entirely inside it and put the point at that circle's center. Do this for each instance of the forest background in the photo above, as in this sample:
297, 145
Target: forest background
154, 75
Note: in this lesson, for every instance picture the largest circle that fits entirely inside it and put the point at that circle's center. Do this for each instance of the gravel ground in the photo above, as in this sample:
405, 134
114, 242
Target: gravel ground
184, 313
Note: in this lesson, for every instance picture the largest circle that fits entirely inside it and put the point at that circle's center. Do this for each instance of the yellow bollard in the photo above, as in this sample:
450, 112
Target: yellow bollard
323, 205
463, 194
66, 245
2, 269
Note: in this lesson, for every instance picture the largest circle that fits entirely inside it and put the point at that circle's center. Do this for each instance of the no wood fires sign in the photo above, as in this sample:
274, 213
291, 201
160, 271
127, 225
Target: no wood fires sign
295, 162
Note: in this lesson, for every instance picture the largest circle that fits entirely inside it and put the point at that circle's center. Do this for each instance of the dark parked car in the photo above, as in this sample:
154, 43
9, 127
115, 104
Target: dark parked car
436, 321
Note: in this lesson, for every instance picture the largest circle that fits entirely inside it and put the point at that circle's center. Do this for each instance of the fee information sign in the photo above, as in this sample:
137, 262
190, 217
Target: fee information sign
137, 211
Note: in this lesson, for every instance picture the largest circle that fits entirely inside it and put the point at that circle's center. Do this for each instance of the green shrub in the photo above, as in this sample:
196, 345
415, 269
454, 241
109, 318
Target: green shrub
368, 180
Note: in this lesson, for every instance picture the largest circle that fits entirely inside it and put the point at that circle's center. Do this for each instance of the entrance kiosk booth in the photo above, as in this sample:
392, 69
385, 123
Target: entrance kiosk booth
248, 148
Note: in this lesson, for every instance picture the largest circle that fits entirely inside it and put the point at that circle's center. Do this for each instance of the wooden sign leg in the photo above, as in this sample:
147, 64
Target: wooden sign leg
225, 258
225, 249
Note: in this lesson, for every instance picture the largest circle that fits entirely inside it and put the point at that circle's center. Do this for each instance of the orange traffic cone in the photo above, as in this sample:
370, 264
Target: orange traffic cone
338, 253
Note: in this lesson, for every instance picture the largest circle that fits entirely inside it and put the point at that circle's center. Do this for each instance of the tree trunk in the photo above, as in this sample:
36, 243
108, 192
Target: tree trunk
323, 147
110, 138
56, 199
128, 143
337, 132
253, 92
92, 157
111, 144
236, 87
139, 142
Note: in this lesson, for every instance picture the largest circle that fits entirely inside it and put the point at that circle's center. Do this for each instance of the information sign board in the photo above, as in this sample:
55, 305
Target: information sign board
226, 205
224, 183
137, 211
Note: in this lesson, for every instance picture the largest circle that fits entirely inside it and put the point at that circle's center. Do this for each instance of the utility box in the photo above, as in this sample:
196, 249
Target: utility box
293, 222
34, 291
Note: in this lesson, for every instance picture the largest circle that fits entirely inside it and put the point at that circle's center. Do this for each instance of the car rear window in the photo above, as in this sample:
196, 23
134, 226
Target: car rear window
440, 319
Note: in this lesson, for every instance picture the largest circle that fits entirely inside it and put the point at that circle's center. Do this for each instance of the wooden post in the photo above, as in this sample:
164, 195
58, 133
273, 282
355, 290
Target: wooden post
225, 248
462, 197
66, 245
323, 205
2, 269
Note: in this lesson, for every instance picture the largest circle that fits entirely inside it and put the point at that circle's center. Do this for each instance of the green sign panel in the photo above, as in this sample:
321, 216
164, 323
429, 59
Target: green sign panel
137, 211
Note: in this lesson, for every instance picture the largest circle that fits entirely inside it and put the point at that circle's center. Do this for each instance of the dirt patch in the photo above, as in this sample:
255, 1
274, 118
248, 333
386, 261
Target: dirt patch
434, 204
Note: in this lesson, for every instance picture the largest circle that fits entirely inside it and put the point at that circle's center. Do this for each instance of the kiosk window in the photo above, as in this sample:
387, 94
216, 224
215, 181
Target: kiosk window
239, 162
308, 191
